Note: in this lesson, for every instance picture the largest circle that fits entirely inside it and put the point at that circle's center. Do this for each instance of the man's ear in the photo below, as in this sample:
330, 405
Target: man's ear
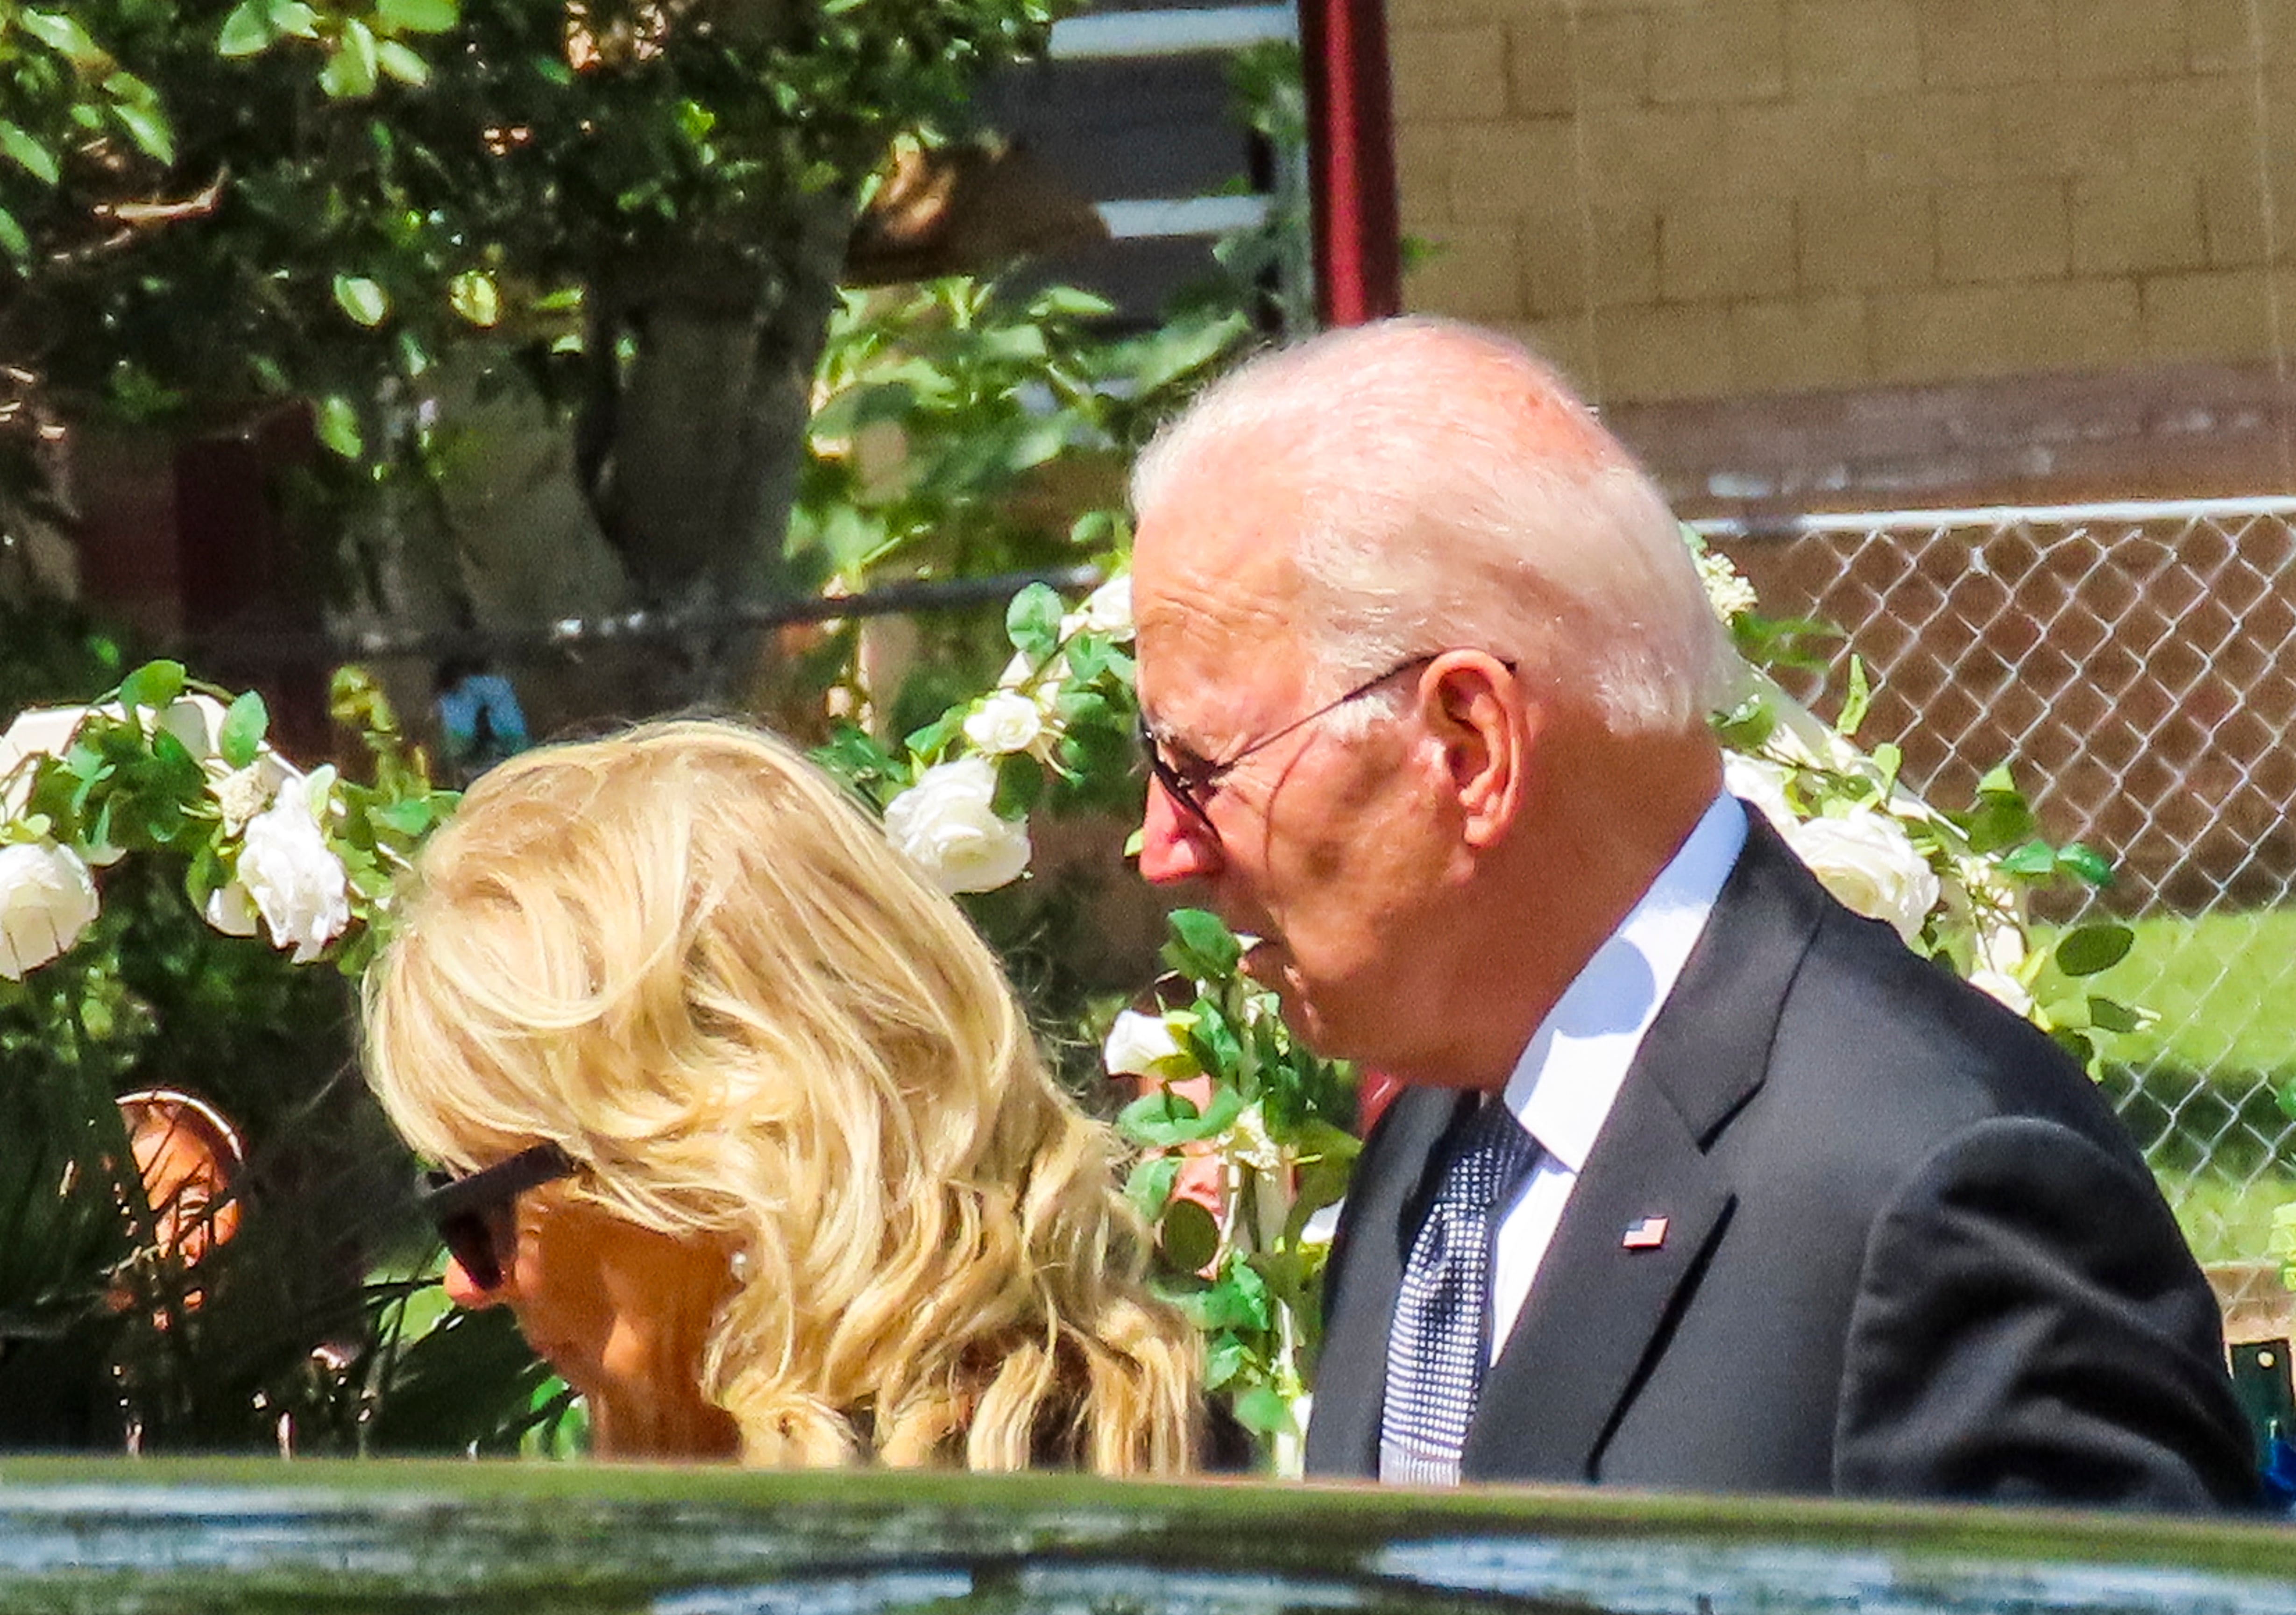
1479, 715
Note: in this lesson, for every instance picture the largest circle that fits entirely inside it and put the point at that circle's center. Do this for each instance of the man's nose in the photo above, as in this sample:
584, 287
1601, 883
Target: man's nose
1175, 844
466, 1293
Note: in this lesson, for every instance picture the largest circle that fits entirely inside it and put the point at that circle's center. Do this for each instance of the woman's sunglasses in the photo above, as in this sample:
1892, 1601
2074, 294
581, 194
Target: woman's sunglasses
474, 1215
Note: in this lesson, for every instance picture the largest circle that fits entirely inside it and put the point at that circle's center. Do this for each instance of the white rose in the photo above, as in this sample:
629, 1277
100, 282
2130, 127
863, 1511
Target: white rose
1144, 1045
44, 732
2006, 988
48, 898
947, 825
1108, 608
1761, 785
1867, 862
295, 879
1007, 721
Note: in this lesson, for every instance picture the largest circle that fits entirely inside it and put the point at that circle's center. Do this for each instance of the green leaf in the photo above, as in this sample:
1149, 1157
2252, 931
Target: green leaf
29, 154
1189, 1235
153, 686
2035, 857
2112, 1015
1854, 703
1150, 1185
1262, 1409
350, 72
2087, 862
1202, 949
362, 298
338, 427
398, 63
2091, 948
241, 736
292, 17
473, 295
62, 34
147, 126
417, 16
248, 30
1224, 1359
2284, 1096
1033, 621
12, 238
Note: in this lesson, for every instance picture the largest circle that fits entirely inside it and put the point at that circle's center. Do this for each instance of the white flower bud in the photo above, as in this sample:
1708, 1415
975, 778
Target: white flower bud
1107, 610
1005, 722
946, 824
1144, 1045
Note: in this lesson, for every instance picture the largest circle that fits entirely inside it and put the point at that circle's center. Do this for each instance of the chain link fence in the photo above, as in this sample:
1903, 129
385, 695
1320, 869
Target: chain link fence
2136, 665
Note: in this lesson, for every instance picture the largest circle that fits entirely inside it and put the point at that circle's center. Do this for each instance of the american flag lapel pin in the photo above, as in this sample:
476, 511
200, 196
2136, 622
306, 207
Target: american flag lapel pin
1648, 1234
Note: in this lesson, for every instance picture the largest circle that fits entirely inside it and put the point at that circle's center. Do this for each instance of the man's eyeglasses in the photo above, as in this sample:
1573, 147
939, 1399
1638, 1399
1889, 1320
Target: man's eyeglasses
1192, 784
474, 1215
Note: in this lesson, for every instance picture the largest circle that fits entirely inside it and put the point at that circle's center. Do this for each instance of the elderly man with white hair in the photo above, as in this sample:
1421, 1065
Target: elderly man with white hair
1697, 1179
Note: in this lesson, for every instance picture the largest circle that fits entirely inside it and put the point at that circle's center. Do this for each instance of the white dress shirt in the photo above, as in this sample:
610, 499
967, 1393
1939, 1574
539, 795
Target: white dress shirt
1564, 1084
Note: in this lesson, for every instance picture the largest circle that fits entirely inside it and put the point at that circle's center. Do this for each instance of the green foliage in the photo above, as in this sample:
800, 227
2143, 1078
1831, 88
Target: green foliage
1275, 1120
226, 199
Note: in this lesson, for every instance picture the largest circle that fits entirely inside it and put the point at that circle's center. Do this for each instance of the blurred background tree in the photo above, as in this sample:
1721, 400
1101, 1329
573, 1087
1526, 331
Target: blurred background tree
372, 209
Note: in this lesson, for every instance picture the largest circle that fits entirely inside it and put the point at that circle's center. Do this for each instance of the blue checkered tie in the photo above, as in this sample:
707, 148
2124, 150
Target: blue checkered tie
1440, 1340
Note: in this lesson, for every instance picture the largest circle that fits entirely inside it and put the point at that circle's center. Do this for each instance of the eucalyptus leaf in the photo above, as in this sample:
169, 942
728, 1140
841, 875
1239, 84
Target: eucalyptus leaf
2091, 948
1189, 1236
153, 686
1263, 1409
2112, 1015
14, 241
239, 738
1032, 622
1202, 948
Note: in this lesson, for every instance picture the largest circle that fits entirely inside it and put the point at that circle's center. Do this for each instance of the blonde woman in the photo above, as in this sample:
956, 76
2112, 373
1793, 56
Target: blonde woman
741, 1120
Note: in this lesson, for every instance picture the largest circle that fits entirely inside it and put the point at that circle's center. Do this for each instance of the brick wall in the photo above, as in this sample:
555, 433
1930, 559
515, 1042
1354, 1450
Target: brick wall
1693, 198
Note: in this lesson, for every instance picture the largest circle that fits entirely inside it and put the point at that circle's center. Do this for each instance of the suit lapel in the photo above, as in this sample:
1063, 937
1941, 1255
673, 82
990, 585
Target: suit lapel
1578, 1346
1384, 1205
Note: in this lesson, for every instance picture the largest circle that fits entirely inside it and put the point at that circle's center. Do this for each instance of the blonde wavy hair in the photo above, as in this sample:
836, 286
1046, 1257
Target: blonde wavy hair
685, 957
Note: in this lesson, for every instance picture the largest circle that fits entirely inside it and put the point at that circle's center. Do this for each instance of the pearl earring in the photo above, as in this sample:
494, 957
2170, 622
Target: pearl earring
740, 1264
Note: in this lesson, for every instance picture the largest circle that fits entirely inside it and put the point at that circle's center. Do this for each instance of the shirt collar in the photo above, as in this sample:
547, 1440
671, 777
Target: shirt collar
1570, 1072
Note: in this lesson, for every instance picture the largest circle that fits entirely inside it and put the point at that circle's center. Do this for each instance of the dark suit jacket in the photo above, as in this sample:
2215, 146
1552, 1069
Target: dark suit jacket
1909, 1250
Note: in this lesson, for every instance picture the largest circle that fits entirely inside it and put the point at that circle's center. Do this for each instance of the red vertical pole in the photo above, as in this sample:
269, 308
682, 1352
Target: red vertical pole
1351, 160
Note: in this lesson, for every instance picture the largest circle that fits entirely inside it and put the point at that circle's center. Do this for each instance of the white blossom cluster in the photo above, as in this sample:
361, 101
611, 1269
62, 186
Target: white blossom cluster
947, 822
284, 878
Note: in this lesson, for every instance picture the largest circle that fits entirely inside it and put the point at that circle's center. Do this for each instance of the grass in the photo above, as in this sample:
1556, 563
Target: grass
2196, 1085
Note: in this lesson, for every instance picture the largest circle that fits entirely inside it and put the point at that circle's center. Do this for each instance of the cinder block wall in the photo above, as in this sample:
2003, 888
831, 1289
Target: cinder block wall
1697, 198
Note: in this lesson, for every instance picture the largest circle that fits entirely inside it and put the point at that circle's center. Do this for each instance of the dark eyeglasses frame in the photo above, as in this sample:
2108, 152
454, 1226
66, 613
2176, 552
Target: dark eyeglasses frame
474, 1214
1192, 787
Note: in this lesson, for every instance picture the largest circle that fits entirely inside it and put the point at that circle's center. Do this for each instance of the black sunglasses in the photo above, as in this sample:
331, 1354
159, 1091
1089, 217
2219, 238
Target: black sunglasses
474, 1214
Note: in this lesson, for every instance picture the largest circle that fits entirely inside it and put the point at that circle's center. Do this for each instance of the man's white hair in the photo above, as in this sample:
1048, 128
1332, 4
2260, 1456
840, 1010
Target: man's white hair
1454, 492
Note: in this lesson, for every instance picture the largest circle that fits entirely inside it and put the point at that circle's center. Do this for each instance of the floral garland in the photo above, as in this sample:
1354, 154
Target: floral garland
1247, 1131
1247, 1134
160, 764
